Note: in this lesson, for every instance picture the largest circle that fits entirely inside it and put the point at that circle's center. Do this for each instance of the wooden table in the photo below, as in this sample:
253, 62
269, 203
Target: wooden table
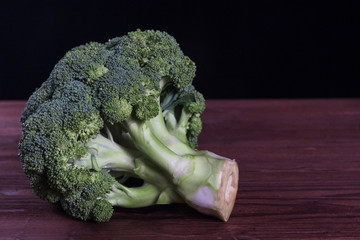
299, 178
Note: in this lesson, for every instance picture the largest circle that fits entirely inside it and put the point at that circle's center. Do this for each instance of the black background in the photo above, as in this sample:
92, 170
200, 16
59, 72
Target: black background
242, 49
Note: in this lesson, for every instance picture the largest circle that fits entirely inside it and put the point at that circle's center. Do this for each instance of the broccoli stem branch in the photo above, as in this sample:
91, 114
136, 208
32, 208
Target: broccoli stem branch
158, 128
107, 155
178, 127
134, 197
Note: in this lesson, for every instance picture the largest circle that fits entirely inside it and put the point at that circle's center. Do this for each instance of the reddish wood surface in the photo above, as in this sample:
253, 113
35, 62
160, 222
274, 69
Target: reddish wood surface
299, 178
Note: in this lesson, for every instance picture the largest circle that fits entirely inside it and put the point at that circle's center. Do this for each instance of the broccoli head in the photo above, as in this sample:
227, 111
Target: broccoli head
120, 111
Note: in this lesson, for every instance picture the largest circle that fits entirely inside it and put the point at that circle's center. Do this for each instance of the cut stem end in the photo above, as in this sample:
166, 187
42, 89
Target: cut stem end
226, 195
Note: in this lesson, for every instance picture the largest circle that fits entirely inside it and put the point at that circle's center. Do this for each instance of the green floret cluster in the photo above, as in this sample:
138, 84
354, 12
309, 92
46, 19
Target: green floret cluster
114, 112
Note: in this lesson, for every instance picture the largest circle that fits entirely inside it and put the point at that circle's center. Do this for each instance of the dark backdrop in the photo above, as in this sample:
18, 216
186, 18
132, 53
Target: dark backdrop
243, 49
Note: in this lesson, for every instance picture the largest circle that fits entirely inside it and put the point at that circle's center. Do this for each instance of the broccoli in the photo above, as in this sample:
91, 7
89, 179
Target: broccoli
117, 111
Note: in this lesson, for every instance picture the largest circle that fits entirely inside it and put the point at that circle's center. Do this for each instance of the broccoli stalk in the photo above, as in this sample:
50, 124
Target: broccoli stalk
120, 110
206, 181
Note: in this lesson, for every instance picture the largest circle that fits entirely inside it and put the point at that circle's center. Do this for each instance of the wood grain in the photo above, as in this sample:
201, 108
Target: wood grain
299, 166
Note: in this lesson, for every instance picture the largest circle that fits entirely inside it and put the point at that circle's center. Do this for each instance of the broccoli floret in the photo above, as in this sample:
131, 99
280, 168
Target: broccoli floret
125, 109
